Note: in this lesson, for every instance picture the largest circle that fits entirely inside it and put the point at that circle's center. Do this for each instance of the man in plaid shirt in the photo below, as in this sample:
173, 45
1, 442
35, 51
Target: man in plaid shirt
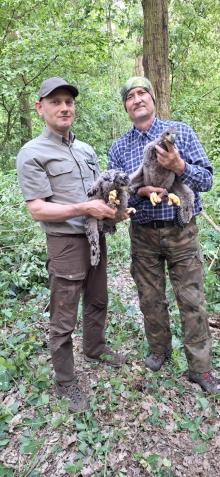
157, 240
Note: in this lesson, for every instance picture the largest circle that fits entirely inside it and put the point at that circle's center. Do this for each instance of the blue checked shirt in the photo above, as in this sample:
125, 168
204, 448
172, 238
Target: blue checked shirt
126, 154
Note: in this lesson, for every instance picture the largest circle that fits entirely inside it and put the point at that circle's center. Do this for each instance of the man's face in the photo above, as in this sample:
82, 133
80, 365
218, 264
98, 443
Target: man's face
139, 105
57, 110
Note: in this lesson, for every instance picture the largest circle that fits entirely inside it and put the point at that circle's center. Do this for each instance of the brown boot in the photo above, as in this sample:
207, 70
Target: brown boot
76, 398
116, 360
155, 360
207, 381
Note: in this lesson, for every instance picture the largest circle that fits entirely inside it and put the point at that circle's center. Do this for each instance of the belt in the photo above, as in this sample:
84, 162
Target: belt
160, 224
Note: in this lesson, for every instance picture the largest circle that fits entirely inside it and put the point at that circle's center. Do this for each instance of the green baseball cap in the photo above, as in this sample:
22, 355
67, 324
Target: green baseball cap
50, 84
137, 82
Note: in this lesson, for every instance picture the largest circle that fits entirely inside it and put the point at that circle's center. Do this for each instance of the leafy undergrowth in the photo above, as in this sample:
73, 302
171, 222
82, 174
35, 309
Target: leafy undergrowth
139, 423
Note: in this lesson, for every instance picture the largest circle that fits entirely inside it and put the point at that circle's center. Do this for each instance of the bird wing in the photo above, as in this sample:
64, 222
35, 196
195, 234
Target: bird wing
137, 178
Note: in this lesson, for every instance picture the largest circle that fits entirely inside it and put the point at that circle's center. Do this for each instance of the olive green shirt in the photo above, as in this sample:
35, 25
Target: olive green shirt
51, 168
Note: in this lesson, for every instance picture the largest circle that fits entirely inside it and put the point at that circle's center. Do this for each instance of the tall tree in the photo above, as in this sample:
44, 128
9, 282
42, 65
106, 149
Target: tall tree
155, 51
25, 114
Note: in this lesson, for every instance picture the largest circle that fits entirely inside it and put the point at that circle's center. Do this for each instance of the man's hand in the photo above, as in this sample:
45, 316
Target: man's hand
97, 208
170, 159
146, 191
126, 214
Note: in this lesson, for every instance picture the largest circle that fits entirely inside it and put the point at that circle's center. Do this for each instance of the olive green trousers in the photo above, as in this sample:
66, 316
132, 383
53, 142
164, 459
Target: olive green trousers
71, 276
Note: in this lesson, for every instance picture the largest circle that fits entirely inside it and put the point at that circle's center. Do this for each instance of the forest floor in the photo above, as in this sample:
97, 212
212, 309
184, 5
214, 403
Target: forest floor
139, 423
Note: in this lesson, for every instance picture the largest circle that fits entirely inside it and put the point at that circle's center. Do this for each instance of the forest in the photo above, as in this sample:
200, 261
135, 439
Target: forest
139, 423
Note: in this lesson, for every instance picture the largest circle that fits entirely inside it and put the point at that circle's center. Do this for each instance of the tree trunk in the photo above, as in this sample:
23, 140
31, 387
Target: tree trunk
155, 52
25, 115
138, 65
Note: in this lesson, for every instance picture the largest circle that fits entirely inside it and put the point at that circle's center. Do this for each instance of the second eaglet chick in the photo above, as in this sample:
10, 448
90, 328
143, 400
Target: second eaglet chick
152, 173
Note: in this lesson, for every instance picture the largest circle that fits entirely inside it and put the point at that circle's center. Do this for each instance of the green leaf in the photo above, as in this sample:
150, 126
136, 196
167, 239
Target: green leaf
209, 433
166, 462
152, 460
58, 421
45, 398
80, 426
83, 447
4, 442
5, 471
37, 423
29, 445
200, 448
203, 403
6, 364
4, 380
72, 469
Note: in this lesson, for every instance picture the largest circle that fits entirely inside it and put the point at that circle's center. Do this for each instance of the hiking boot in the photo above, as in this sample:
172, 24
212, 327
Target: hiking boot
76, 398
207, 381
155, 360
116, 360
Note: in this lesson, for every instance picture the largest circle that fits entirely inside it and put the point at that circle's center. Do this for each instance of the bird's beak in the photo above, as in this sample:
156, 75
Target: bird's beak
172, 138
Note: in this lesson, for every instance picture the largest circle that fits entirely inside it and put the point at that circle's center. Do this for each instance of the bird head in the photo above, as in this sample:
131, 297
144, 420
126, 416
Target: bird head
168, 137
119, 179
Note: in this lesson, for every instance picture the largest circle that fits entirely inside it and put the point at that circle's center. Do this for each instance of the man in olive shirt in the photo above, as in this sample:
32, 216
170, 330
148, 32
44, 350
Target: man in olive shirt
55, 171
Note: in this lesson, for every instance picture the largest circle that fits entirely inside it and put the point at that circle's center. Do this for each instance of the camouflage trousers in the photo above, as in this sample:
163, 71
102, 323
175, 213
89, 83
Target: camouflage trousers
177, 247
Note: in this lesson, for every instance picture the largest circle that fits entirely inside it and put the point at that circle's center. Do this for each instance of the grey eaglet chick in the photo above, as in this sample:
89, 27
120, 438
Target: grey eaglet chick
112, 187
152, 173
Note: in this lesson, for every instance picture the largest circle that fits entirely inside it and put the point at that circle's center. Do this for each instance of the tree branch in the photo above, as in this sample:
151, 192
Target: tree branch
26, 83
210, 221
9, 23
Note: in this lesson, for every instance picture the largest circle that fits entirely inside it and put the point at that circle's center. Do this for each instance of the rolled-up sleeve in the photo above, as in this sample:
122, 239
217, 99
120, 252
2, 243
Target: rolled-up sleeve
32, 177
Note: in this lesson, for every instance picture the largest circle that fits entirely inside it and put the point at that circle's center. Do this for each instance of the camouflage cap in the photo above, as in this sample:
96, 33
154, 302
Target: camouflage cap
137, 82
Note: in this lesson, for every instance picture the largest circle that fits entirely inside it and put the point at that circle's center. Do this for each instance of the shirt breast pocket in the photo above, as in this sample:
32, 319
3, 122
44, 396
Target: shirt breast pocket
61, 174
91, 170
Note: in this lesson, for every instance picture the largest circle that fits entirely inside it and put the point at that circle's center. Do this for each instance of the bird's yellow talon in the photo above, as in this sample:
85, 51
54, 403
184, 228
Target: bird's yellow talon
154, 198
112, 198
173, 199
